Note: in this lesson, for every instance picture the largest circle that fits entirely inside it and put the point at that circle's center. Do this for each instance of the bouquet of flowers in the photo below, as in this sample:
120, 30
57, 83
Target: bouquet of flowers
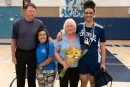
71, 55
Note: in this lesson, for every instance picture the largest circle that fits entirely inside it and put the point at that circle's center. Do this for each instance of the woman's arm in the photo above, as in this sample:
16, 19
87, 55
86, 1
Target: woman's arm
56, 52
47, 61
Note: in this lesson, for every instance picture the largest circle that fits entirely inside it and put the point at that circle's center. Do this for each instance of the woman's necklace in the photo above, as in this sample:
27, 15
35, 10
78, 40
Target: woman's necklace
71, 38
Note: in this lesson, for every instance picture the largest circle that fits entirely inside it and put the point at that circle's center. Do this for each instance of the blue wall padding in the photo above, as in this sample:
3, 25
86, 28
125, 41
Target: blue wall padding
115, 28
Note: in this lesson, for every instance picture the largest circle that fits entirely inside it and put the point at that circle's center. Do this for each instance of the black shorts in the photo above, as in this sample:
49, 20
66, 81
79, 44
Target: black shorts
88, 64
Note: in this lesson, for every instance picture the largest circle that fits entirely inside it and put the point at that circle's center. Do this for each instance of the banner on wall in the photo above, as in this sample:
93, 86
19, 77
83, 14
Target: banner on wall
73, 8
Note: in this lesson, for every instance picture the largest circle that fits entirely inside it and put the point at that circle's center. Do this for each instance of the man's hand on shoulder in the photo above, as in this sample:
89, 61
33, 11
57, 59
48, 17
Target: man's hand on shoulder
59, 36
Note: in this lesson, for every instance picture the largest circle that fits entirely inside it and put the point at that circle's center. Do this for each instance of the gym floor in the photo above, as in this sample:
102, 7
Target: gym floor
117, 62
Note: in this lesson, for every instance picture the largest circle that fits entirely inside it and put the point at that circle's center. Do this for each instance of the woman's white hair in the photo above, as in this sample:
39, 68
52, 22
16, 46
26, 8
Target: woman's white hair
70, 20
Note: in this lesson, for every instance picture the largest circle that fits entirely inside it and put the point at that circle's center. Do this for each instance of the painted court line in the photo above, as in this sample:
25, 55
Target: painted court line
113, 64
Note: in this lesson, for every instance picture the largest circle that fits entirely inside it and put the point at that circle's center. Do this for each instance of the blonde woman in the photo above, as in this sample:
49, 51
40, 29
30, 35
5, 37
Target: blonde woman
69, 38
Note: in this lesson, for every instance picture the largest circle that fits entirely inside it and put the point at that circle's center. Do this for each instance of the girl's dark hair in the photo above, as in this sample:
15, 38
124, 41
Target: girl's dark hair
30, 4
89, 4
46, 42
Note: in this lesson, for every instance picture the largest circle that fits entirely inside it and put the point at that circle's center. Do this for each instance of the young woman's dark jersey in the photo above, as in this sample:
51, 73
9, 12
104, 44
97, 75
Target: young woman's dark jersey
96, 34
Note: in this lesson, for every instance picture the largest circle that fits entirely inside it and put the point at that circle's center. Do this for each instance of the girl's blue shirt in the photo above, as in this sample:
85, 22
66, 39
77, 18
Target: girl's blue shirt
41, 55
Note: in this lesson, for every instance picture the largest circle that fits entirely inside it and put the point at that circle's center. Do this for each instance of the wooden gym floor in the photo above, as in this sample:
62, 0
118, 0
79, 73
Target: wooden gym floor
117, 62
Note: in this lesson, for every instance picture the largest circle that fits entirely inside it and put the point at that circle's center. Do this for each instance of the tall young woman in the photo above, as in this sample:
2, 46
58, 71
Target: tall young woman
90, 33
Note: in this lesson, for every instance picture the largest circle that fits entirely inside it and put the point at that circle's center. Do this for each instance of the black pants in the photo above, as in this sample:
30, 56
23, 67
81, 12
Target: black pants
26, 58
71, 76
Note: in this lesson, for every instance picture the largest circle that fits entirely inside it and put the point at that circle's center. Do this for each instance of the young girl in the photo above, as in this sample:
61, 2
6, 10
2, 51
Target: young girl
45, 72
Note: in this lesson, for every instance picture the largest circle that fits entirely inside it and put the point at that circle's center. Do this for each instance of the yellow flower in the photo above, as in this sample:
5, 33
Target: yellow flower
70, 57
77, 53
